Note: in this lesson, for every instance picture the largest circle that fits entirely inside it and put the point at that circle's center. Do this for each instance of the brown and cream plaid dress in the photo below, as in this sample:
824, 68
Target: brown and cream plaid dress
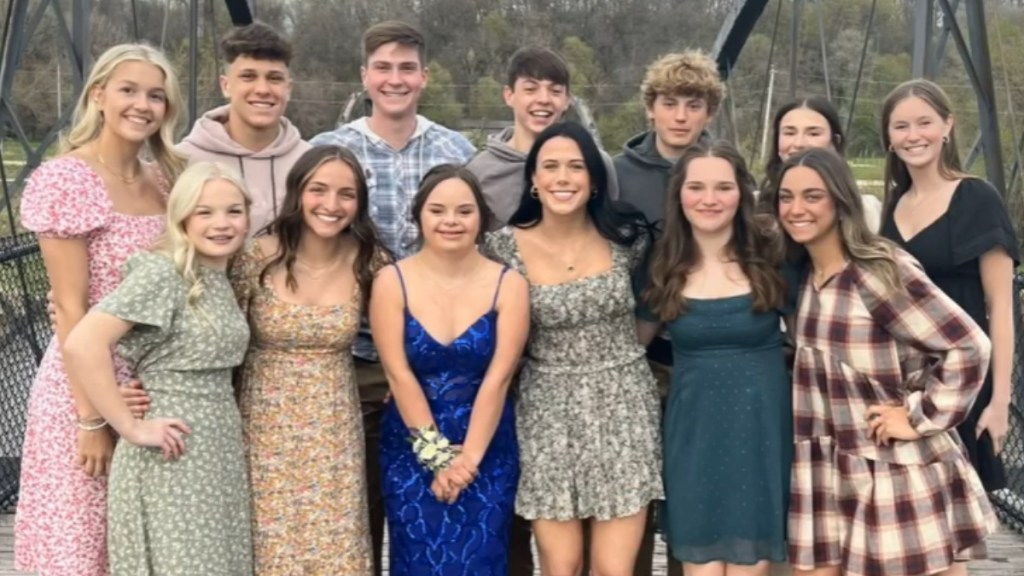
911, 508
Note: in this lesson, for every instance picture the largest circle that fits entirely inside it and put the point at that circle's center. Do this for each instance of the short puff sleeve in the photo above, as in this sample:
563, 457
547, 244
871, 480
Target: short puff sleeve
64, 198
149, 296
151, 292
980, 222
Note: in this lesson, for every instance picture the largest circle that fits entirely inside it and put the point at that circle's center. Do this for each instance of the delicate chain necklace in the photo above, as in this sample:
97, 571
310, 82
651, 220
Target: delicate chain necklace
125, 179
820, 276
318, 271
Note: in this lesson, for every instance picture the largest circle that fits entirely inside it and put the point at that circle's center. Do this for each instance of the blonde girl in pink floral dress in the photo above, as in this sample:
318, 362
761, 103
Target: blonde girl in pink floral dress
92, 208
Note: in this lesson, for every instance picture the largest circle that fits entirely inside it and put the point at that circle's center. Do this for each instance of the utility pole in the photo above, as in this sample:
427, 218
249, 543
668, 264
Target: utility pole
767, 113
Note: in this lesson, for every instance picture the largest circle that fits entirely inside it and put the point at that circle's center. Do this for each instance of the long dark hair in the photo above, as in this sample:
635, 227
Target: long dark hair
861, 244
897, 177
289, 226
439, 174
616, 221
773, 165
755, 243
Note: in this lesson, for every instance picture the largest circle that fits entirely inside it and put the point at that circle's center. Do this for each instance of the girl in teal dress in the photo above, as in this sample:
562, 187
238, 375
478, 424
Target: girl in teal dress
716, 285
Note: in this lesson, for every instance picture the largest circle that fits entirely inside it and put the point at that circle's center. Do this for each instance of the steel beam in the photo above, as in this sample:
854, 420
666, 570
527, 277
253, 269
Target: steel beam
733, 34
979, 69
922, 60
193, 60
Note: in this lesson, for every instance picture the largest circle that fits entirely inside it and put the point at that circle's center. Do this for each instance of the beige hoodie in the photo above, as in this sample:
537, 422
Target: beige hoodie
264, 171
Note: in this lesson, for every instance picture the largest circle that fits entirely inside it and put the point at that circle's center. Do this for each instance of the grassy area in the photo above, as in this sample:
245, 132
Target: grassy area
14, 155
868, 173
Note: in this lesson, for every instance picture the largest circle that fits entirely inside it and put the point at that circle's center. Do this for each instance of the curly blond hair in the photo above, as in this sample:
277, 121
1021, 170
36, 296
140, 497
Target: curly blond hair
691, 74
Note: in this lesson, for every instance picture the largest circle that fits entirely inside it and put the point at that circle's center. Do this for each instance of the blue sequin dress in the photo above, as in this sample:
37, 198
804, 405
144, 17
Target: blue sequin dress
469, 537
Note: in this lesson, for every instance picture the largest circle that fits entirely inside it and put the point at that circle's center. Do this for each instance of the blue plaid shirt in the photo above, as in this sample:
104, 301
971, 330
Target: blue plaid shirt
393, 176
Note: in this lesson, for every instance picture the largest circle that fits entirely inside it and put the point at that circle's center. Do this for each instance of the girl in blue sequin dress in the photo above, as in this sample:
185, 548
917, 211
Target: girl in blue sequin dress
450, 326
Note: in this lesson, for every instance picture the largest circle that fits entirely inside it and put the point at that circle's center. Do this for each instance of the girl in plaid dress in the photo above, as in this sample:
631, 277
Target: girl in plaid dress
886, 366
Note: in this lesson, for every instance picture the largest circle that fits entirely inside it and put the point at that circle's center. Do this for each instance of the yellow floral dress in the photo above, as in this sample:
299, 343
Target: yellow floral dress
303, 431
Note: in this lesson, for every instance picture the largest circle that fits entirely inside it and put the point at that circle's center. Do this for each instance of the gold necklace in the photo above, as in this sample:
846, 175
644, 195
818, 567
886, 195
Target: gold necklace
315, 271
125, 179
820, 276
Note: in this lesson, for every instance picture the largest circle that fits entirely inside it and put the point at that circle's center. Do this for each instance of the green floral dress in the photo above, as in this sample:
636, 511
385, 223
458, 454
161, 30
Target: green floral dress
188, 516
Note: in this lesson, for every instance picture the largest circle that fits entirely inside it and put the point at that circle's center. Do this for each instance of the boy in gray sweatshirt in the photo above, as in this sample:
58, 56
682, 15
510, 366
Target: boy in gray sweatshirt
537, 91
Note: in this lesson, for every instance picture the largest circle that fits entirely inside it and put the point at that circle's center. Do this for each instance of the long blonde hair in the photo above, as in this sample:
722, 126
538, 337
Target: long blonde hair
174, 242
87, 122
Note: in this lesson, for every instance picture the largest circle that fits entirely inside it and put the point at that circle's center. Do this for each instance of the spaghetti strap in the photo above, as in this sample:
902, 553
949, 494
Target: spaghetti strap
497, 290
401, 280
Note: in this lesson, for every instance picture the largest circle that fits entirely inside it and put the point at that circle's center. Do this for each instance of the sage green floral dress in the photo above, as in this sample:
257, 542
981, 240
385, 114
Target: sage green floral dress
588, 415
188, 516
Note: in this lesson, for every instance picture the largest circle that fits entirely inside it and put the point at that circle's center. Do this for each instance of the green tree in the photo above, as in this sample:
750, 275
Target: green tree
582, 67
486, 101
438, 101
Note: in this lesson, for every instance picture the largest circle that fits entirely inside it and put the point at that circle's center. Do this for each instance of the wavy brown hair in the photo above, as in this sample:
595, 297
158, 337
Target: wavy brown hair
289, 226
862, 245
755, 243
897, 177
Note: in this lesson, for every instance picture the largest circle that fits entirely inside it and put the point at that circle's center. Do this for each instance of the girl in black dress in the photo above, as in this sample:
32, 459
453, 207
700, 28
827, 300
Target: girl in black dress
959, 229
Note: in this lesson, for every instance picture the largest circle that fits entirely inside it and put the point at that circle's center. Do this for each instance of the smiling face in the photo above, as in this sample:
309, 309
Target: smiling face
917, 132
133, 102
257, 90
450, 219
710, 196
394, 77
536, 104
677, 121
803, 128
329, 199
806, 208
561, 177
218, 225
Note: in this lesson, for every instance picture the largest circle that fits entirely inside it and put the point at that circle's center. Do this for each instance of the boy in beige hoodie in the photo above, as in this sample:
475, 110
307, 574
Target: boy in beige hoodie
250, 132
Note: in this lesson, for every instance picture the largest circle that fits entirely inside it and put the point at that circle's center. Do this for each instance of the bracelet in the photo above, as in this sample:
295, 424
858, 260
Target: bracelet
433, 451
91, 424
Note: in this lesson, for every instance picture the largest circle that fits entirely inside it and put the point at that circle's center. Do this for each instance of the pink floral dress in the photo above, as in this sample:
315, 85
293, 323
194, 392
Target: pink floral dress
60, 528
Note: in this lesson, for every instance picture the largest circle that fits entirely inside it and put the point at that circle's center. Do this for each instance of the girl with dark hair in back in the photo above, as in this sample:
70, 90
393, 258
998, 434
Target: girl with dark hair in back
810, 122
588, 410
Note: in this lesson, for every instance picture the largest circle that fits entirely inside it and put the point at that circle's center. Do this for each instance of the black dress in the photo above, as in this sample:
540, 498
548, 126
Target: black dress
950, 250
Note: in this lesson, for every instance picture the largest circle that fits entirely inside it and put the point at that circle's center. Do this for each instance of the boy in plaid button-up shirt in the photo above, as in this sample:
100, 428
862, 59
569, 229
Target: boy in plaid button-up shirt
396, 147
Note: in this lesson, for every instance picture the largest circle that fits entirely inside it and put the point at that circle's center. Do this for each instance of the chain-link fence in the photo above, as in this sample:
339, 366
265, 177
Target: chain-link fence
24, 333
1010, 502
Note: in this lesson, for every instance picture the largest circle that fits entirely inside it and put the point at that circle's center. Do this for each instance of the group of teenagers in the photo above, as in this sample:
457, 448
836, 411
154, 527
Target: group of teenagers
265, 346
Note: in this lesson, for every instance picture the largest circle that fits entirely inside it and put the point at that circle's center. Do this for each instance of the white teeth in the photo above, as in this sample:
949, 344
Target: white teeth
326, 218
261, 104
542, 114
137, 120
563, 195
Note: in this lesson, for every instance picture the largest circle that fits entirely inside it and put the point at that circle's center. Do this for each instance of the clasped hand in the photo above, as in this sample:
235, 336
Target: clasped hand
451, 481
889, 422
